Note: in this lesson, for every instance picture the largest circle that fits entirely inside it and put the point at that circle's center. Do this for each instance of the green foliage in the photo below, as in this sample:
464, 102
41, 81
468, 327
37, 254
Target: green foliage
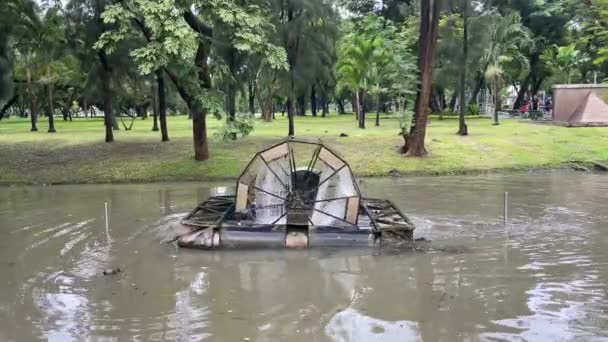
405, 123
565, 59
16, 18
473, 109
173, 41
242, 126
505, 55
374, 56
595, 21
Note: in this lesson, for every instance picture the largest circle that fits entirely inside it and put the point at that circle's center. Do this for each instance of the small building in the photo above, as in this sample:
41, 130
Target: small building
578, 105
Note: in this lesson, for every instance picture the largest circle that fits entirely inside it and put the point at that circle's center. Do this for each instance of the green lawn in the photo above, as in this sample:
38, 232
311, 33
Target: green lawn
78, 154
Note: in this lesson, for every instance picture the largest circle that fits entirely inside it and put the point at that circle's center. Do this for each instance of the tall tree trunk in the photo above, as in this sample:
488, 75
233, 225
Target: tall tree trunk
32, 98
313, 101
362, 109
105, 70
429, 20
199, 117
324, 104
51, 104
355, 105
462, 125
251, 94
144, 112
107, 95
301, 105
21, 105
154, 108
378, 109
525, 87
292, 44
199, 114
434, 104
290, 114
231, 96
497, 102
340, 103
266, 107
536, 85
478, 85
162, 105
453, 98
199, 134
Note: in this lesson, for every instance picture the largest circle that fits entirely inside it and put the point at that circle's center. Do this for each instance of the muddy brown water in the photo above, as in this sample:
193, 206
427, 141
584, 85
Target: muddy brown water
542, 278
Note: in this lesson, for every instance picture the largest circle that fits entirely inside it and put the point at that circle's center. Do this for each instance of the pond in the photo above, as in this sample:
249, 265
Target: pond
543, 276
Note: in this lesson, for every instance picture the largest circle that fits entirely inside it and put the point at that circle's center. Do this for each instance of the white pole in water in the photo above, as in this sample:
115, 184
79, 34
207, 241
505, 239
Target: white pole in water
506, 208
107, 223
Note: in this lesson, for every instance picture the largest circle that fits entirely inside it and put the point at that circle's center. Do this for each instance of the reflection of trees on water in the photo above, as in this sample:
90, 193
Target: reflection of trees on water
297, 296
286, 297
549, 263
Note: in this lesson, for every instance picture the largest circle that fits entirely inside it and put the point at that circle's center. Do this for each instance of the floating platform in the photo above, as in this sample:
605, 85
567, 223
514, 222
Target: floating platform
295, 194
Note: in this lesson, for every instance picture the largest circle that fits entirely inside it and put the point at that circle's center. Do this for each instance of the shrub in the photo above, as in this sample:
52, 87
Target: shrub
473, 110
242, 126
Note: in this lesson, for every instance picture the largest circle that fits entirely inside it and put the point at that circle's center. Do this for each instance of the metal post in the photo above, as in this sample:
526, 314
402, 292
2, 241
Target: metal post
506, 208
106, 205
107, 223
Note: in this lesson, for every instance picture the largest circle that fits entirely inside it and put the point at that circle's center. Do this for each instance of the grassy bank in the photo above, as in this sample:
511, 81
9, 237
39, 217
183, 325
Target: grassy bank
77, 153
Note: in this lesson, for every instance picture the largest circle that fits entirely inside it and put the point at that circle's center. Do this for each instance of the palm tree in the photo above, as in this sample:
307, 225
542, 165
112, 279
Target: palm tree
494, 74
504, 55
51, 39
17, 17
356, 67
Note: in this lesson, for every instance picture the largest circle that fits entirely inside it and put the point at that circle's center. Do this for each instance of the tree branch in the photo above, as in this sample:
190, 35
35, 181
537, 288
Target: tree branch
8, 105
196, 24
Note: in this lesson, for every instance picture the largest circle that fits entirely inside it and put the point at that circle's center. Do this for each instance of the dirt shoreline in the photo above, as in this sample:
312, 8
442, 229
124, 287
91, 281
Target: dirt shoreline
573, 166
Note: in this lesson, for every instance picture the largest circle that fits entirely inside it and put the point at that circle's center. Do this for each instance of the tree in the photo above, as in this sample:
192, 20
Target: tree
15, 16
505, 54
298, 24
565, 59
354, 70
364, 57
50, 38
463, 129
429, 21
18, 18
177, 41
547, 23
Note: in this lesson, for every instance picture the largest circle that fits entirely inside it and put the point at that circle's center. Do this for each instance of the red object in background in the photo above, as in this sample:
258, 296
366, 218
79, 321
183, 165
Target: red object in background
524, 108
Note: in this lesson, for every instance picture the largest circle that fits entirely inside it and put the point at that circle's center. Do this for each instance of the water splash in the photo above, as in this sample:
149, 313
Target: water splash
339, 185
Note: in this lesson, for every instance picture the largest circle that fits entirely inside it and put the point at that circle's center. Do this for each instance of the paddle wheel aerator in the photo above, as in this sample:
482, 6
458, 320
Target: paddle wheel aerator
294, 194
